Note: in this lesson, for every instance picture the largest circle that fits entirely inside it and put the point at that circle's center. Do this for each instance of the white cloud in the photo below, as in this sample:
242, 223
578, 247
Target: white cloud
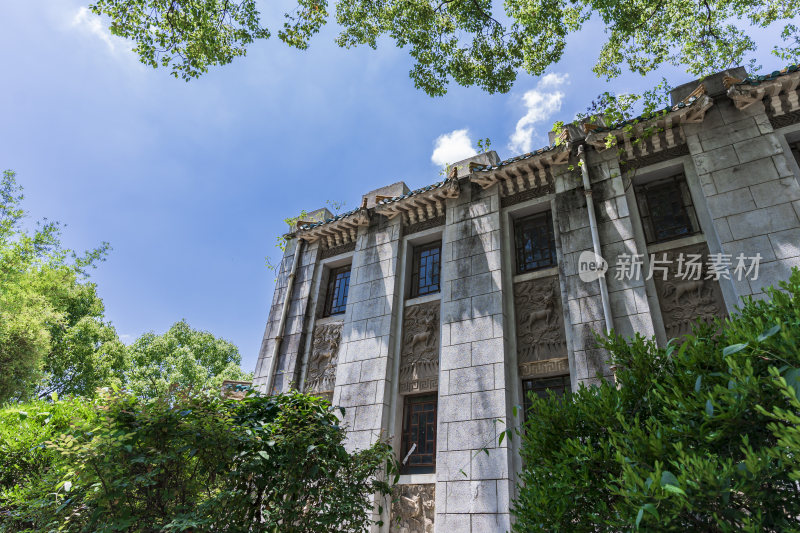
452, 147
541, 103
89, 23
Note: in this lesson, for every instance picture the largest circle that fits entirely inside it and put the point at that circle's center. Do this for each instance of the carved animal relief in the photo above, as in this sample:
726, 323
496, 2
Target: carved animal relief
419, 364
541, 341
321, 374
683, 301
413, 509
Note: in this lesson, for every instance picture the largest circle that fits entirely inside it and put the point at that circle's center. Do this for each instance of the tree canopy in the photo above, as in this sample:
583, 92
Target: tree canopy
181, 356
471, 42
54, 337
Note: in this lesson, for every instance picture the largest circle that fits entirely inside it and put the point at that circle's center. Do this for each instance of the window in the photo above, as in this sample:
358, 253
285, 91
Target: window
425, 271
666, 209
419, 435
539, 387
795, 147
535, 242
336, 297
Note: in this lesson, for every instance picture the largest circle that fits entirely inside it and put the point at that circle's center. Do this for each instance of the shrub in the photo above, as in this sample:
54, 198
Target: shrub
30, 472
699, 436
199, 462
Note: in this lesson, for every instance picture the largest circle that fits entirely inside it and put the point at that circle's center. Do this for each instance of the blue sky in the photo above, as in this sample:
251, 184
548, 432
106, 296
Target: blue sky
189, 182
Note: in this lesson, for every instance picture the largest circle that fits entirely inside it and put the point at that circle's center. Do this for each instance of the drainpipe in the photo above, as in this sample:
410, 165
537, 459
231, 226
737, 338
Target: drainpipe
284, 314
587, 190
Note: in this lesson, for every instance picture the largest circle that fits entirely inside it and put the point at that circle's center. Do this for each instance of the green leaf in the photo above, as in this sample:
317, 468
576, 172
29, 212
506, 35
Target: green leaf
698, 382
502, 436
639, 516
734, 348
673, 489
769, 333
709, 408
668, 478
263, 454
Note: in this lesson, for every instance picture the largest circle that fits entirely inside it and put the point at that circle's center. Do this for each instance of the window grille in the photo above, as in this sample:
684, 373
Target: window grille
419, 435
426, 268
666, 209
535, 242
795, 147
336, 297
538, 387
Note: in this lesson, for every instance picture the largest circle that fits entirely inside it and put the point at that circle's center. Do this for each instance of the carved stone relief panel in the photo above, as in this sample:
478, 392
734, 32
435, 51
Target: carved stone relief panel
321, 373
541, 340
413, 508
419, 362
684, 301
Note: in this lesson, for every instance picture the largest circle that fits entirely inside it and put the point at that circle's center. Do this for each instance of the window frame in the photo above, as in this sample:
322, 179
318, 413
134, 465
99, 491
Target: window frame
546, 385
416, 269
332, 289
408, 437
521, 263
645, 199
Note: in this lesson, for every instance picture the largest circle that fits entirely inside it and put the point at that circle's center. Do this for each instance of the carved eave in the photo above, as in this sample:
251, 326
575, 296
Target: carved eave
527, 172
422, 205
336, 232
780, 92
666, 130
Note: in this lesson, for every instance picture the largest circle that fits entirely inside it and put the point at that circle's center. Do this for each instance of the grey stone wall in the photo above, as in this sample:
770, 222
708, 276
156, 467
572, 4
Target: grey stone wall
363, 377
289, 354
751, 192
473, 482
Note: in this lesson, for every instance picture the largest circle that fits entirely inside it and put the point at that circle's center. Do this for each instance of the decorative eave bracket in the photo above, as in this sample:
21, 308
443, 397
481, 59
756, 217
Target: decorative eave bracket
530, 171
421, 206
337, 232
781, 93
665, 130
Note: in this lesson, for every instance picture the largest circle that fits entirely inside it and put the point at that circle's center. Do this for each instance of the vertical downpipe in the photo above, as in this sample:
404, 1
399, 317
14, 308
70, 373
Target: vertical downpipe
273, 364
587, 190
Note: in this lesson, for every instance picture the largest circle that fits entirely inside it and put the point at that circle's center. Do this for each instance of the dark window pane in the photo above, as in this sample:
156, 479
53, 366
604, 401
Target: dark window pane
336, 297
666, 210
426, 268
419, 434
539, 387
535, 242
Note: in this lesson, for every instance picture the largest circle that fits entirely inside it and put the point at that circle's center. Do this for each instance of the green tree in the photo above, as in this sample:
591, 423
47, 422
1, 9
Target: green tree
52, 334
187, 462
181, 356
471, 42
701, 436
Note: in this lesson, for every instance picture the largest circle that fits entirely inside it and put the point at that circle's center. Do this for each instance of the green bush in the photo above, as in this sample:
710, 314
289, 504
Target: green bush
701, 436
28, 469
199, 462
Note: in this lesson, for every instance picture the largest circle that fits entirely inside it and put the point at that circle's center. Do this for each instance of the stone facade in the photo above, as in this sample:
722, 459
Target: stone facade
447, 323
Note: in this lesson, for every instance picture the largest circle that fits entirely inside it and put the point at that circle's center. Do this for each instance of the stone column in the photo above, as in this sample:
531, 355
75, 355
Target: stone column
289, 354
363, 374
585, 308
472, 486
750, 191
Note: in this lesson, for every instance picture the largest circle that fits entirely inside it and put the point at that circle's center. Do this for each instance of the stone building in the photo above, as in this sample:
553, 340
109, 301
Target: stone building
429, 314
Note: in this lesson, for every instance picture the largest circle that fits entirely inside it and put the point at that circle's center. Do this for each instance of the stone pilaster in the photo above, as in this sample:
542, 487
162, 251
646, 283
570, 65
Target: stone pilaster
749, 190
363, 373
288, 367
473, 486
